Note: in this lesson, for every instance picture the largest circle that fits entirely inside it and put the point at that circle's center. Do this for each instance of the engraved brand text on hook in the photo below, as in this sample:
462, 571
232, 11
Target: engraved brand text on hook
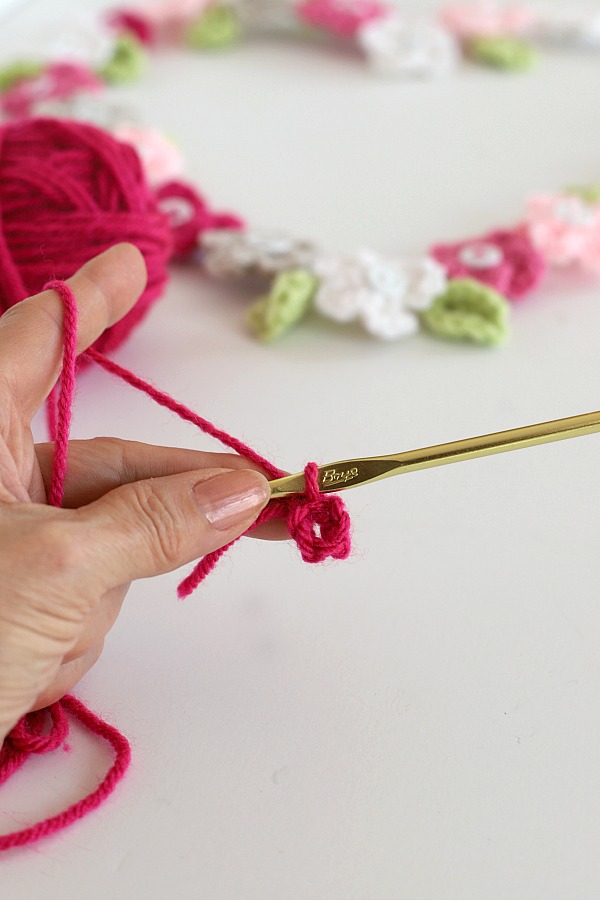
332, 476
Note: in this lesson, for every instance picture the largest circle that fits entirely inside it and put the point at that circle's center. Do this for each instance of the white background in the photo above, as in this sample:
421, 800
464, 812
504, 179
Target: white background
421, 721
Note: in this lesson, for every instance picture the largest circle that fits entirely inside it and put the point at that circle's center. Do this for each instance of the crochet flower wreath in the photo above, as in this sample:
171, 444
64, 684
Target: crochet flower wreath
65, 73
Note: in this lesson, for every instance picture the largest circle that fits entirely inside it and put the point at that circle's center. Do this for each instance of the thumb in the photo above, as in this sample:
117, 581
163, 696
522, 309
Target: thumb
150, 527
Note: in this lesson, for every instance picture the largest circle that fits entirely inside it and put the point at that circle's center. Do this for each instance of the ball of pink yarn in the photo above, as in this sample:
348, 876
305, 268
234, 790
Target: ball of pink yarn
67, 192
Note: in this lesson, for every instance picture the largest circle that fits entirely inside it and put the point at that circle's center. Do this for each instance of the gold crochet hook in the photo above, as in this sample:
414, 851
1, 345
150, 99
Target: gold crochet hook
350, 473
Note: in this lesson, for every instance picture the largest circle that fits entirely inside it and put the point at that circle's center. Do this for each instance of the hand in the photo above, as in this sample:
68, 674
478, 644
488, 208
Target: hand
131, 510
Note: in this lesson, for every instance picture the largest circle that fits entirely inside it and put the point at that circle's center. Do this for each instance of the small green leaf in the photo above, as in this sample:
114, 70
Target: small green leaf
22, 70
218, 26
128, 61
285, 305
504, 52
469, 311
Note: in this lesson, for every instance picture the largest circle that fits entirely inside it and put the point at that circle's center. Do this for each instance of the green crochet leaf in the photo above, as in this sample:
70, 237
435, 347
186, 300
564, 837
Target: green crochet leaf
19, 71
218, 26
128, 61
469, 311
590, 193
287, 303
508, 53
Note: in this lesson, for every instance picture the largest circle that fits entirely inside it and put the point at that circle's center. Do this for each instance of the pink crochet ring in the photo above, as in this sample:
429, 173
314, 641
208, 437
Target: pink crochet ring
342, 17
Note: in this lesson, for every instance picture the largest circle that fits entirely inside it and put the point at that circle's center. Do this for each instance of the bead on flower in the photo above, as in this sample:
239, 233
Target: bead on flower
216, 27
161, 159
486, 19
469, 311
565, 229
505, 260
411, 50
511, 54
286, 304
385, 295
230, 253
340, 17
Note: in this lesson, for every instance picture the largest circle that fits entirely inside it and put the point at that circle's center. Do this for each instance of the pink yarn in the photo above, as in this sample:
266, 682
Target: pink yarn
69, 191
319, 524
520, 270
486, 19
341, 17
58, 81
565, 229
28, 738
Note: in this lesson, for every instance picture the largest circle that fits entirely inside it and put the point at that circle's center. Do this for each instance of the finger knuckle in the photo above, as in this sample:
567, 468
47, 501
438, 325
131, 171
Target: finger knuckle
161, 522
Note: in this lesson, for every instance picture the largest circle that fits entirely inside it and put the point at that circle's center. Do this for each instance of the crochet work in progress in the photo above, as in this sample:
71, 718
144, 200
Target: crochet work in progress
67, 192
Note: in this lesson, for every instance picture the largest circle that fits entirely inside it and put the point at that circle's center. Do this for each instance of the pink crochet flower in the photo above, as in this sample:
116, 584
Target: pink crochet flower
341, 17
505, 260
160, 158
565, 229
485, 19
58, 81
133, 22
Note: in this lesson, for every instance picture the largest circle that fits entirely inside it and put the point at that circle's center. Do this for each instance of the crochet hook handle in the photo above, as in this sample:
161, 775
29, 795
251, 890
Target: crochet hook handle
350, 473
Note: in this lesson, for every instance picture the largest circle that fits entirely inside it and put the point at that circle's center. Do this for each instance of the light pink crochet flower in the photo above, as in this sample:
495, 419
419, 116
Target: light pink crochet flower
565, 229
160, 158
341, 17
505, 260
485, 19
58, 81
166, 14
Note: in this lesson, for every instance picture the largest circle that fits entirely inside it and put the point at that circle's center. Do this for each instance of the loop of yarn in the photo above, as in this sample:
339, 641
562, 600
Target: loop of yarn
25, 739
318, 523
190, 215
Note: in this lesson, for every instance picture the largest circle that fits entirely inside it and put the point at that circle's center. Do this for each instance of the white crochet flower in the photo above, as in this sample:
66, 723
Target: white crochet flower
570, 28
86, 107
411, 50
383, 294
79, 38
267, 15
233, 253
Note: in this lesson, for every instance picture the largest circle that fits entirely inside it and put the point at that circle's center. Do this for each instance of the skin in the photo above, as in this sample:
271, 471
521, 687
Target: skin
131, 510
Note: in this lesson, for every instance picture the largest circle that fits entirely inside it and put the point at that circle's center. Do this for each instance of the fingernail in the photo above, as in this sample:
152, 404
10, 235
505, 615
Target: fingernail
230, 499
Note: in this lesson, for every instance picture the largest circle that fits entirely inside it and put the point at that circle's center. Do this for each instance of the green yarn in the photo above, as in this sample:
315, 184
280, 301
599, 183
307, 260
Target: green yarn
218, 26
128, 61
19, 71
504, 52
470, 311
590, 193
285, 305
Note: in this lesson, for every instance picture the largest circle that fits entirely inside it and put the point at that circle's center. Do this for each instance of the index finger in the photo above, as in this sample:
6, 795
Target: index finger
31, 333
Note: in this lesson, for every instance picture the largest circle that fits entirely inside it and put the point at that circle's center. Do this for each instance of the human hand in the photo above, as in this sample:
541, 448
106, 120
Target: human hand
131, 510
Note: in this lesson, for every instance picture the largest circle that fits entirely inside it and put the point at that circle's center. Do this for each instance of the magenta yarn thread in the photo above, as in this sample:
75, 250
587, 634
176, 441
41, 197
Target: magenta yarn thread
319, 524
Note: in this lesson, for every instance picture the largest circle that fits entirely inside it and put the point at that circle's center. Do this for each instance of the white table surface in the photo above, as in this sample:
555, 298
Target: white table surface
421, 721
